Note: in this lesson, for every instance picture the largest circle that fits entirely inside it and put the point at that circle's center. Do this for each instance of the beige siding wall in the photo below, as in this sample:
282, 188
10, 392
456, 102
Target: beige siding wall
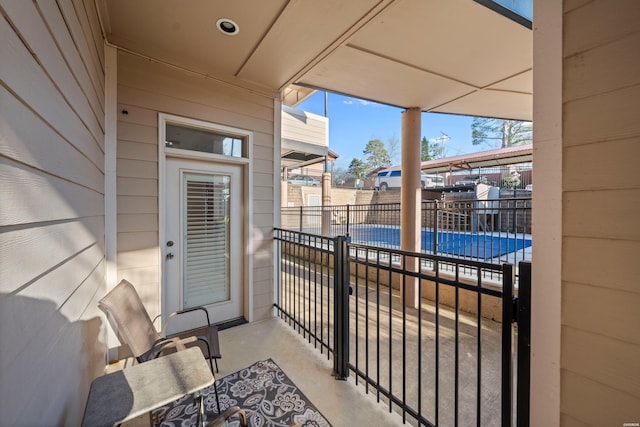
306, 127
52, 210
146, 88
600, 351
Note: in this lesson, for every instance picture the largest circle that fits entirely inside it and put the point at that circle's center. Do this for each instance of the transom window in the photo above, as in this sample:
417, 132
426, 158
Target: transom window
206, 141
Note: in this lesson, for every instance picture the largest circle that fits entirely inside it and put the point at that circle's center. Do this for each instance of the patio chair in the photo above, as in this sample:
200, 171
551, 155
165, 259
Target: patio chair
133, 326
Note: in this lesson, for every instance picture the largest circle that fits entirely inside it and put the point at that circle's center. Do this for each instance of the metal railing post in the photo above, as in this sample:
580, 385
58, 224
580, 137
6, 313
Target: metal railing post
348, 218
507, 330
524, 344
301, 216
435, 228
341, 308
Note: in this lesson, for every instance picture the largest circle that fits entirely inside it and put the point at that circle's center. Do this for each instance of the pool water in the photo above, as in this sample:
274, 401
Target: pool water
473, 245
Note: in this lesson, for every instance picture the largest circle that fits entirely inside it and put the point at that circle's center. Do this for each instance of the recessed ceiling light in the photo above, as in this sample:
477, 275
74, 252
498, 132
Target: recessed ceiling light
227, 26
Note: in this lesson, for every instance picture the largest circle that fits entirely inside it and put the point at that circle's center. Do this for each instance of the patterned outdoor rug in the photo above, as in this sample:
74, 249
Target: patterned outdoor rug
267, 395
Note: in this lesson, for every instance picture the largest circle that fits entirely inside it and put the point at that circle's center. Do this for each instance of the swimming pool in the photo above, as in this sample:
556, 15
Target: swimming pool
473, 245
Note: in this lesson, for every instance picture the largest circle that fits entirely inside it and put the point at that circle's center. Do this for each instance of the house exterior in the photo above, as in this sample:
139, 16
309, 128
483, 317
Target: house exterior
90, 178
304, 140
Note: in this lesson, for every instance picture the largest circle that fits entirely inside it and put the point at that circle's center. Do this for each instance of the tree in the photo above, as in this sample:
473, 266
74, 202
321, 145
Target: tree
376, 155
425, 150
432, 149
498, 133
357, 168
393, 148
340, 176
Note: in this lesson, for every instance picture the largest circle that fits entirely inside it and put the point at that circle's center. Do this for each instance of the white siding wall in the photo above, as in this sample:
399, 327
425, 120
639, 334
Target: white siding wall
51, 210
600, 351
146, 88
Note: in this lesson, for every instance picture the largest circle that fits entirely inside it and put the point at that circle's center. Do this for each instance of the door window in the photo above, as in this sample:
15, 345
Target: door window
206, 239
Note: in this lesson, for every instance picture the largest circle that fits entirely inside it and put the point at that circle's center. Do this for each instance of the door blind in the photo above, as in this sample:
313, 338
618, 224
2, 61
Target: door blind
206, 240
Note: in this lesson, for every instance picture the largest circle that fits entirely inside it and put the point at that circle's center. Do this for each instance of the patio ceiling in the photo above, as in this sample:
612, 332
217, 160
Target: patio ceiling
453, 56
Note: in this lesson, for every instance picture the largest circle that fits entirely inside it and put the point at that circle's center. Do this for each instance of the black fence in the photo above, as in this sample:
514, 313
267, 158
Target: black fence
305, 285
432, 341
495, 230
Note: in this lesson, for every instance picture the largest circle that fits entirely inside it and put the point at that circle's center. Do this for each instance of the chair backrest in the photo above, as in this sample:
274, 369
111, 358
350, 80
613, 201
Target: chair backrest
129, 318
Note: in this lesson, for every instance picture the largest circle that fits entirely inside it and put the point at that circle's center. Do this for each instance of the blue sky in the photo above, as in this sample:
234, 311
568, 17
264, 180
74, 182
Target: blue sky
354, 122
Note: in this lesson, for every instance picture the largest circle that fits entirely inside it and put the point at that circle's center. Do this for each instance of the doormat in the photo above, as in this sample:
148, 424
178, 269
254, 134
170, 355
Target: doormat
263, 390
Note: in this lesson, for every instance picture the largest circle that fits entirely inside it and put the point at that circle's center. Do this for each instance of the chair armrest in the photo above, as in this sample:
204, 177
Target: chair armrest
222, 418
166, 343
177, 313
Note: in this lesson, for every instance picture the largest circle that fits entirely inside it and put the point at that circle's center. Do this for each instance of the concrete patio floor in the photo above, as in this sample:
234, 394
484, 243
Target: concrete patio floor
341, 402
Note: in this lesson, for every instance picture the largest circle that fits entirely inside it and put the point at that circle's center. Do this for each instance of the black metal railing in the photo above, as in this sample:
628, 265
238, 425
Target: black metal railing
305, 285
432, 341
492, 230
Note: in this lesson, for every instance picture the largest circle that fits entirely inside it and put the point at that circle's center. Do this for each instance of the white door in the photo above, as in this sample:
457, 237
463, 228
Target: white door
203, 261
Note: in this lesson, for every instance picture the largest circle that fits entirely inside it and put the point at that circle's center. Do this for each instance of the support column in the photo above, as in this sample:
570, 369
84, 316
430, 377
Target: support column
326, 200
547, 287
110, 183
410, 199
